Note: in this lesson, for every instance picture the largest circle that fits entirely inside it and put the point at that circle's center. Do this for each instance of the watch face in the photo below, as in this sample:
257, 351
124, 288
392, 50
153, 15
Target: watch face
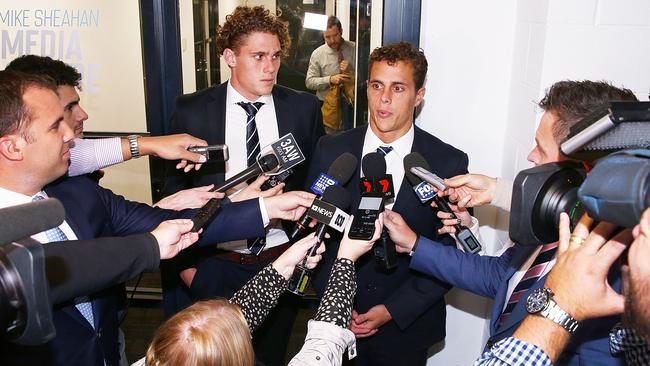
537, 301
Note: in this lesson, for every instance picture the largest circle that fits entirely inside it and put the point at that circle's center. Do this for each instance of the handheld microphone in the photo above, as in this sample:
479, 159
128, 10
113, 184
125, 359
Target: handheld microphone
339, 173
328, 211
266, 163
377, 183
422, 180
22, 221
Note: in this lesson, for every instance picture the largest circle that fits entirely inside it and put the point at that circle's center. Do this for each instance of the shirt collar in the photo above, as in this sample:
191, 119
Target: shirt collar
10, 198
402, 146
235, 97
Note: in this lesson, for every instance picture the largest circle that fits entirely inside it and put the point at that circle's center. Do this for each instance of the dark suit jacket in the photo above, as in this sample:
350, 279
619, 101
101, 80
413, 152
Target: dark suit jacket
416, 302
93, 212
488, 276
203, 114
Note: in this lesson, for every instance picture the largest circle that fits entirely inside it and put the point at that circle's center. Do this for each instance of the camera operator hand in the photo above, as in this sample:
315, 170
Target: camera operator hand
254, 190
286, 263
288, 206
470, 190
174, 236
580, 273
579, 283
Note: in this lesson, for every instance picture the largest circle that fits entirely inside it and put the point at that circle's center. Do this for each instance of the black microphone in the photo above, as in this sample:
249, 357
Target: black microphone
339, 172
374, 171
423, 189
328, 211
265, 164
22, 221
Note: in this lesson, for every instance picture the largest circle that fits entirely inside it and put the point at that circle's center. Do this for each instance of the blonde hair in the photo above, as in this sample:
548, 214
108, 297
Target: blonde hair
208, 333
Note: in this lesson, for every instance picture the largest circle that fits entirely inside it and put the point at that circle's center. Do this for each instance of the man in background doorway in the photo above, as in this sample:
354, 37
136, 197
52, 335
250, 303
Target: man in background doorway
331, 72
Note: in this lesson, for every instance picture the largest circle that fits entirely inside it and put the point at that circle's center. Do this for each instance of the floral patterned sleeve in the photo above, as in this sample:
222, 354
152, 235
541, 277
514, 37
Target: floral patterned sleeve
336, 304
260, 295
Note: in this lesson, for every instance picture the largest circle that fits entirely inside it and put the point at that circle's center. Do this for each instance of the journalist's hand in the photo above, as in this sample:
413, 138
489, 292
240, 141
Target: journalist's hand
189, 198
286, 263
447, 218
254, 190
174, 236
352, 249
289, 205
399, 231
174, 147
470, 190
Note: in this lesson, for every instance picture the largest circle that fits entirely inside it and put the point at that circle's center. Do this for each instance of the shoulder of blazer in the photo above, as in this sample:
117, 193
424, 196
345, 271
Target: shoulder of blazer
283, 93
427, 142
356, 134
202, 97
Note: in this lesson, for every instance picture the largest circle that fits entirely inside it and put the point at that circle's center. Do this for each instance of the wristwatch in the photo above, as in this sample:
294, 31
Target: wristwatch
133, 146
541, 302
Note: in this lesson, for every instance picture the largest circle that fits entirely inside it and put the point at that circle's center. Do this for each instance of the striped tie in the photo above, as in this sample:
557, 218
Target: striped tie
83, 305
384, 150
252, 137
530, 277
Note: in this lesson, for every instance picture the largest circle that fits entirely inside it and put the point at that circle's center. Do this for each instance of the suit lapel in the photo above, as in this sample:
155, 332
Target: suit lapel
283, 115
353, 185
216, 115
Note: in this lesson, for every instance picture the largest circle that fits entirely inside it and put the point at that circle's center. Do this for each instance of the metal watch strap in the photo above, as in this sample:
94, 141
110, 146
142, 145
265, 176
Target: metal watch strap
133, 146
554, 312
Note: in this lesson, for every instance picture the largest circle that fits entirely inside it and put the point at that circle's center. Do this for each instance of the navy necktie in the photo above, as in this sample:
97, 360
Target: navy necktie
84, 306
384, 150
252, 137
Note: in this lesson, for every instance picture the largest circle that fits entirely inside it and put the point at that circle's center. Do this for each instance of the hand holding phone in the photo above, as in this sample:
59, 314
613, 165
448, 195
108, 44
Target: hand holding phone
212, 153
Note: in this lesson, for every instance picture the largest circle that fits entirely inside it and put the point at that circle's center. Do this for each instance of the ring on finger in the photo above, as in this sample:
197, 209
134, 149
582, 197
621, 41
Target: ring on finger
575, 239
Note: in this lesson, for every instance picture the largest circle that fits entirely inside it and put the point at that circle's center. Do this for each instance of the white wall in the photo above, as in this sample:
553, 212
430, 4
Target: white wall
488, 64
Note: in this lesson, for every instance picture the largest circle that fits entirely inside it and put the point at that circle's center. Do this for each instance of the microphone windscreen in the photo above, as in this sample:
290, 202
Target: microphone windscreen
337, 196
411, 160
373, 165
343, 167
22, 221
268, 162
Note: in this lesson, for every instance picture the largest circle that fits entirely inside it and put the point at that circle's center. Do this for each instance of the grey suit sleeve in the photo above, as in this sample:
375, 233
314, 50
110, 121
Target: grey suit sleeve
80, 267
89, 155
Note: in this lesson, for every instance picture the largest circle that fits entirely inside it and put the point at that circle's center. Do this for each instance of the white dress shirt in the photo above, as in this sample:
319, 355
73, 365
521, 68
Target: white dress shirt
267, 129
394, 160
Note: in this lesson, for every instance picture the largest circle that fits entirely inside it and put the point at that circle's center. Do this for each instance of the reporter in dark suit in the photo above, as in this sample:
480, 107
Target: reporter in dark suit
252, 43
34, 151
397, 315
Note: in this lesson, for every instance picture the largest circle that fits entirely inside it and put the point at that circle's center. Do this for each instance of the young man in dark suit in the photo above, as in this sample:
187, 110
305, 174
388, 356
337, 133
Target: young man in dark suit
249, 107
397, 315
34, 154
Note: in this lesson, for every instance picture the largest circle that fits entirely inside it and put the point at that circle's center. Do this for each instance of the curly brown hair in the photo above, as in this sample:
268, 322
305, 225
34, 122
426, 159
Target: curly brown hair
574, 100
405, 52
245, 20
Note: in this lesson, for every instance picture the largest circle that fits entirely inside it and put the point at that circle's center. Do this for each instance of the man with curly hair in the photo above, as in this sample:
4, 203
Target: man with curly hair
398, 314
246, 112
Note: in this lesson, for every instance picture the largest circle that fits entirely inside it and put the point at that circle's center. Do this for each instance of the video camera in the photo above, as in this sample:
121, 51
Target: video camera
25, 309
616, 190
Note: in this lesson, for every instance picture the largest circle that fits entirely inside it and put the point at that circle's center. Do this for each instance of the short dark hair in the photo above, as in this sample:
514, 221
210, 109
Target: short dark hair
246, 20
15, 117
334, 21
59, 71
573, 100
404, 52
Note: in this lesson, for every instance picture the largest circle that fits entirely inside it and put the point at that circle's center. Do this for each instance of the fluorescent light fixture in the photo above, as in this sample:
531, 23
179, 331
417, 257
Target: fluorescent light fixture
315, 21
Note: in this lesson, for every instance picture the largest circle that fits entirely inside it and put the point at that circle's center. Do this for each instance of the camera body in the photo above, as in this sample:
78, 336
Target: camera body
616, 190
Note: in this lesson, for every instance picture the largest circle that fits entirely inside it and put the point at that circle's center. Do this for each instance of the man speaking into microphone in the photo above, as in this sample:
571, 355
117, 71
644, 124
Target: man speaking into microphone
398, 315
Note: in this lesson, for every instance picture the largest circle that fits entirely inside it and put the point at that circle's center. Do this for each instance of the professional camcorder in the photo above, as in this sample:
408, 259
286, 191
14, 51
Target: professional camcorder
25, 309
616, 190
